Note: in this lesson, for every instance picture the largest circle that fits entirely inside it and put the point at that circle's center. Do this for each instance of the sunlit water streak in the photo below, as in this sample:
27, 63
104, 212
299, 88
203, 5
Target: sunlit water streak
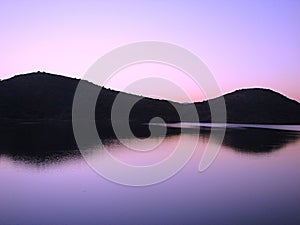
228, 125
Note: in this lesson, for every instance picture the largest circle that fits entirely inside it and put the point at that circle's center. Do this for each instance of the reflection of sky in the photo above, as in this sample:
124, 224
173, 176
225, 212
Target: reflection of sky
236, 189
245, 44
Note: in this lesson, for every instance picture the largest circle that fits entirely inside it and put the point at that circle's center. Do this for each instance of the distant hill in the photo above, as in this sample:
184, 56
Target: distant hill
47, 97
256, 106
261, 106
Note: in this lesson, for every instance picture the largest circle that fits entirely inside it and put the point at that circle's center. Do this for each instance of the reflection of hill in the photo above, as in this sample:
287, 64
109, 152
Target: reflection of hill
48, 142
37, 143
257, 140
44, 102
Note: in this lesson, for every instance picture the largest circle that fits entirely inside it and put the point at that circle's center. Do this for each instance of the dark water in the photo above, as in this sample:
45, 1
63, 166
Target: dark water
255, 179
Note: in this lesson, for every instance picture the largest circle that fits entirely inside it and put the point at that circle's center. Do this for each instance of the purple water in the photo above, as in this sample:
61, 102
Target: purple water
238, 188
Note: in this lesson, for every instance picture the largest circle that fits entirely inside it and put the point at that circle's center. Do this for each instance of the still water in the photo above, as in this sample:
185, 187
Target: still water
255, 179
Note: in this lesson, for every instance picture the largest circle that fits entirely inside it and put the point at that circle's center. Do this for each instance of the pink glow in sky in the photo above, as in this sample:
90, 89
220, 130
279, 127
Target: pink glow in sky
244, 43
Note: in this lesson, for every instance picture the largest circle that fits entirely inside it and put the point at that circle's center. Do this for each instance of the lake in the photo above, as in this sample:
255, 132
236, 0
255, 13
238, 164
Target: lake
255, 179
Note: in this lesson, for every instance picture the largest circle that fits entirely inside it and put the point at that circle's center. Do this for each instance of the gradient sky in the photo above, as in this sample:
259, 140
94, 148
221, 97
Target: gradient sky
244, 43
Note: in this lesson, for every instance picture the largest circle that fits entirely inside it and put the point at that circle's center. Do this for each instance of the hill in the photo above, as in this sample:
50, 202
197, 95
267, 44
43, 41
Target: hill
256, 106
48, 97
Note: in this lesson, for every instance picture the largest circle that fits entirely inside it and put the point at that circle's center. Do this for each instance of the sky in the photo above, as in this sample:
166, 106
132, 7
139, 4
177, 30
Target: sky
244, 43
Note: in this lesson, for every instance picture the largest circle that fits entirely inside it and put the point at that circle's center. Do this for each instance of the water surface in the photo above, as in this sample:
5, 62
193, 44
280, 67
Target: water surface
255, 179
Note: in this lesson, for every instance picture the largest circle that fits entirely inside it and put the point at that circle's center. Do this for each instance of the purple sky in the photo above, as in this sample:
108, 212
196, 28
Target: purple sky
244, 43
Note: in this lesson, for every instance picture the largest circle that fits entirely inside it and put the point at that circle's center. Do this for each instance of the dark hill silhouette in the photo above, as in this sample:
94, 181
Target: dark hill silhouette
36, 114
256, 106
46, 97
261, 106
42, 96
